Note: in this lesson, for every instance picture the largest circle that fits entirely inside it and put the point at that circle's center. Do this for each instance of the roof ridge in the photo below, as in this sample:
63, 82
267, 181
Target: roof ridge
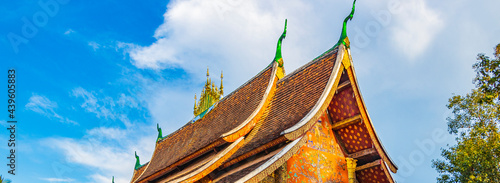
293, 131
248, 81
223, 98
332, 50
260, 80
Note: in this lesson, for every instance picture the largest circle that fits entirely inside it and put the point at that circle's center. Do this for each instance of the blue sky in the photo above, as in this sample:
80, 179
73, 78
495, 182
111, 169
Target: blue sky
94, 78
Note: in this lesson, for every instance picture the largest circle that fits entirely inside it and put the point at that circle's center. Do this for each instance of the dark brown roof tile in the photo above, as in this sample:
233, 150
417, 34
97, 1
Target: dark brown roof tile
295, 96
228, 114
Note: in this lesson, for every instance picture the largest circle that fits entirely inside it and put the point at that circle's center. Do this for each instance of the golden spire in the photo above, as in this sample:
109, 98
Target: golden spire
195, 100
221, 86
210, 95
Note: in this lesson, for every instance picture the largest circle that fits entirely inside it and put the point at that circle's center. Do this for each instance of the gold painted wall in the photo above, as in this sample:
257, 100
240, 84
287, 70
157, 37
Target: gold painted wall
320, 159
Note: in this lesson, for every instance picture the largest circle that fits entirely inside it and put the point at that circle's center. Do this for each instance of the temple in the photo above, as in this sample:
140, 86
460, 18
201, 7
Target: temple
310, 125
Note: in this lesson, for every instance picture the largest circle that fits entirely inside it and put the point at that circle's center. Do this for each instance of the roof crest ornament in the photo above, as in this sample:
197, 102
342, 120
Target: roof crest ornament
160, 135
343, 37
278, 58
221, 86
137, 162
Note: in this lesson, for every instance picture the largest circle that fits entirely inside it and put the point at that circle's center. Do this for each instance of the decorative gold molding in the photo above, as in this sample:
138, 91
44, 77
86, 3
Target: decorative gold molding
362, 153
346, 59
254, 151
321, 105
180, 162
247, 125
367, 121
346, 122
369, 165
213, 164
343, 84
275, 162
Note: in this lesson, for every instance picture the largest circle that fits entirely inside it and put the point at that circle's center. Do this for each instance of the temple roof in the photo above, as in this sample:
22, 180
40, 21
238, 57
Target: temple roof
251, 132
351, 124
228, 114
280, 108
139, 171
296, 94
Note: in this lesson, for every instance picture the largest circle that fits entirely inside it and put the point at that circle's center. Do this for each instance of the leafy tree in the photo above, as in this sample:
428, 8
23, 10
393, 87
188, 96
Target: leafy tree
475, 122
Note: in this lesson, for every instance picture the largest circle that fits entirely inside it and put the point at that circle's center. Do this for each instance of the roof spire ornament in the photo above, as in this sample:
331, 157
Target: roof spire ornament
210, 95
137, 162
113, 180
343, 37
195, 100
160, 136
208, 74
221, 86
278, 57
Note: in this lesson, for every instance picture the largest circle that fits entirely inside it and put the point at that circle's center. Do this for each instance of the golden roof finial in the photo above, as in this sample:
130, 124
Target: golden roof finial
207, 72
221, 86
195, 100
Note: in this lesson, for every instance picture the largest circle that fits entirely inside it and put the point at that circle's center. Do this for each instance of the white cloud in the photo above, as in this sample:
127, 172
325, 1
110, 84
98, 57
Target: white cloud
94, 45
108, 133
102, 107
108, 107
238, 37
417, 25
69, 31
108, 151
58, 179
42, 105
127, 101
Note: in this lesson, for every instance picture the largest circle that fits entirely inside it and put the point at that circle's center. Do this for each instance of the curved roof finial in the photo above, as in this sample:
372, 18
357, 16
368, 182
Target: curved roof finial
160, 136
221, 86
343, 36
278, 58
137, 161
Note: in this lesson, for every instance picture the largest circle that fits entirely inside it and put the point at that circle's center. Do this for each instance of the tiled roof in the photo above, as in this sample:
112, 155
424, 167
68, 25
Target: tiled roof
228, 114
138, 172
238, 172
289, 104
234, 176
295, 96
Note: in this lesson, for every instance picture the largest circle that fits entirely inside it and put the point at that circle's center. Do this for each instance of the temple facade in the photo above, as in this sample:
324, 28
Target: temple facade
310, 125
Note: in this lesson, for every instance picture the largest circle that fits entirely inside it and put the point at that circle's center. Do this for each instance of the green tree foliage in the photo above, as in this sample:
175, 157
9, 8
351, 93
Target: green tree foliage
475, 122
